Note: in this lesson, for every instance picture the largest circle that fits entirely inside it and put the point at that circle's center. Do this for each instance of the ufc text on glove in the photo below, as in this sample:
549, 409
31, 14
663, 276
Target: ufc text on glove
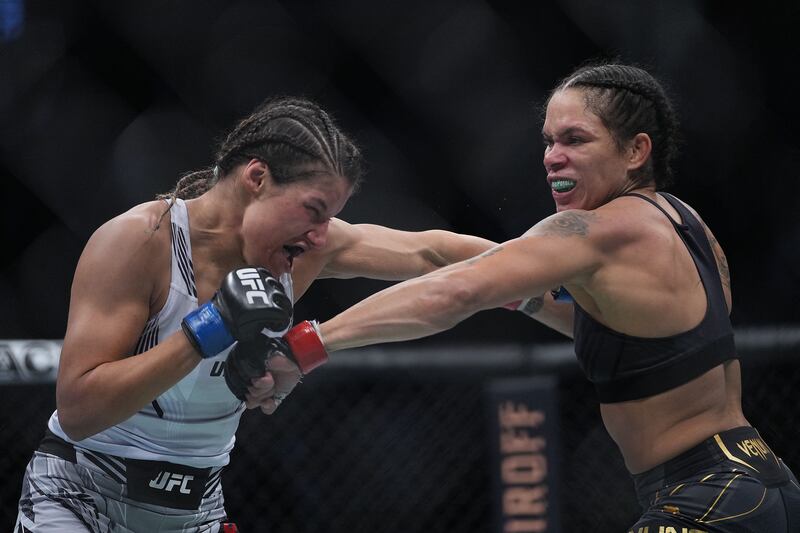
249, 300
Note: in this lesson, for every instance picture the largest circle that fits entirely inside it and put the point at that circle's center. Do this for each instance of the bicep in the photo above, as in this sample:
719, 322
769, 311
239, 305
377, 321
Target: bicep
109, 303
379, 252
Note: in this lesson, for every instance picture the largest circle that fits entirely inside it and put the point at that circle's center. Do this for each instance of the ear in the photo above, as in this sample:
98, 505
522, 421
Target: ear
256, 176
639, 151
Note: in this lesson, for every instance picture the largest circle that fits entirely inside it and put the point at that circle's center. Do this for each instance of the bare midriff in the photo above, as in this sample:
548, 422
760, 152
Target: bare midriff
653, 430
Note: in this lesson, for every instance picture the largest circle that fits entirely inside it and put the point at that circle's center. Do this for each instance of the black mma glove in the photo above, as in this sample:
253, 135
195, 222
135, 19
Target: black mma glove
252, 359
249, 300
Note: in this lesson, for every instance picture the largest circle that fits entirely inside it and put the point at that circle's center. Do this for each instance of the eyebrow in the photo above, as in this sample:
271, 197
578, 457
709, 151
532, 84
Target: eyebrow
568, 131
320, 205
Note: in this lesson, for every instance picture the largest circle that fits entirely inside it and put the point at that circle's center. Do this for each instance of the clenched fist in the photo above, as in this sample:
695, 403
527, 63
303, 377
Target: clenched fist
258, 373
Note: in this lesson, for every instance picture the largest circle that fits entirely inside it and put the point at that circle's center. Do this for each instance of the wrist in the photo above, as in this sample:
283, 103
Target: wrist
528, 306
531, 306
306, 346
206, 331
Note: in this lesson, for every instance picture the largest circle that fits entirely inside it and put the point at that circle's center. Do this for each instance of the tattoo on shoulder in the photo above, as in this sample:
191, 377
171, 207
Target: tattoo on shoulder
722, 261
487, 253
566, 224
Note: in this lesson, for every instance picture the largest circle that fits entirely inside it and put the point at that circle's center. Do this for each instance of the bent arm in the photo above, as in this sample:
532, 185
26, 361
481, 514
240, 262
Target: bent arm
559, 250
100, 383
378, 252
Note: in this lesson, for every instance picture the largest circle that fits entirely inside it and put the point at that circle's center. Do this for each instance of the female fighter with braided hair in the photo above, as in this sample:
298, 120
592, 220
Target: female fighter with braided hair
144, 421
650, 298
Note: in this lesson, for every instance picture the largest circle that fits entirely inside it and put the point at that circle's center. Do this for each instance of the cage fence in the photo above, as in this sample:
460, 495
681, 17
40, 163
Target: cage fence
397, 439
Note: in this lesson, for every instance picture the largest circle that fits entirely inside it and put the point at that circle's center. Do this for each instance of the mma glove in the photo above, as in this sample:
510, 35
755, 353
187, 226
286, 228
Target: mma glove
249, 300
252, 359
303, 345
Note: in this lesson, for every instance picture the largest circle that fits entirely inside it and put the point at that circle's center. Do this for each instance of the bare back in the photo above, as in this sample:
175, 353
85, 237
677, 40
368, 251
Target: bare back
651, 288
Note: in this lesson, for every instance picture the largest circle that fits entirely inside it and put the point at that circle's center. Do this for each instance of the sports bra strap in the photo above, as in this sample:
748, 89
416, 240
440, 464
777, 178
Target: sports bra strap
650, 200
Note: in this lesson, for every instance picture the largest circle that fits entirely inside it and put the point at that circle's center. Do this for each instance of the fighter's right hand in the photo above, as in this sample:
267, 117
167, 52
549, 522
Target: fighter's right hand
250, 299
303, 345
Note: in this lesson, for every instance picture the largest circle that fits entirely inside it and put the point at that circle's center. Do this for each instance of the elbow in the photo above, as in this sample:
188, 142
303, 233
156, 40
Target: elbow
451, 302
73, 428
73, 420
74, 435
432, 257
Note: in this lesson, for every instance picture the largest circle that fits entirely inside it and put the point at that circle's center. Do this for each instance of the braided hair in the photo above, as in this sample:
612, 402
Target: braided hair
629, 100
292, 135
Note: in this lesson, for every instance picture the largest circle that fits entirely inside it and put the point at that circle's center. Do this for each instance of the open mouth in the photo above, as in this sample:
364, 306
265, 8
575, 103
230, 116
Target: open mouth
562, 185
292, 252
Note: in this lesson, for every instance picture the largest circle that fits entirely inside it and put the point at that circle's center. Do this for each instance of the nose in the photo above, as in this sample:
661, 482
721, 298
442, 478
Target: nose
554, 159
318, 236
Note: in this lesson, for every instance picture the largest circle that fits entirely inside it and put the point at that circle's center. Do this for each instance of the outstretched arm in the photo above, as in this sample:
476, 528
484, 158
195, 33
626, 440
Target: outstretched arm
566, 248
378, 252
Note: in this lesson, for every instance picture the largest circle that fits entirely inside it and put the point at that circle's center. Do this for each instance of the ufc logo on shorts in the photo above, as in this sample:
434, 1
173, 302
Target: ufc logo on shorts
167, 481
251, 278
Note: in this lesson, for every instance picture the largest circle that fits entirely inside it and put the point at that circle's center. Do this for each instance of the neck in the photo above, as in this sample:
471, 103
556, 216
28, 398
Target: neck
215, 221
638, 188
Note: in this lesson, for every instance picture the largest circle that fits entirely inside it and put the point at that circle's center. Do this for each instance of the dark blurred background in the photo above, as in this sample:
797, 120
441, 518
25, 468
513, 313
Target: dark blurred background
104, 104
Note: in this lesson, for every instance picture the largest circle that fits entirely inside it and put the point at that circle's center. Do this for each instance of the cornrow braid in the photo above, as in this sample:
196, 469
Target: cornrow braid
288, 133
294, 136
191, 185
629, 100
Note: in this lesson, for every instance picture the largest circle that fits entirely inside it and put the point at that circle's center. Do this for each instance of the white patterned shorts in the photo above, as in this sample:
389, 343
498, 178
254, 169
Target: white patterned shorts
85, 491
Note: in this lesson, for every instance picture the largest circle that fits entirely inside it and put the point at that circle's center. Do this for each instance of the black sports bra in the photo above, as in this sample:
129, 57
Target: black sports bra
625, 368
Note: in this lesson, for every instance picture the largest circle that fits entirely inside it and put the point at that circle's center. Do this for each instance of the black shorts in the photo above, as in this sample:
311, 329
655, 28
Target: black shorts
731, 482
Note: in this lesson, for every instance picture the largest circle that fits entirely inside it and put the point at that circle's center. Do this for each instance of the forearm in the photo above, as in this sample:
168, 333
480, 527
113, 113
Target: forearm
439, 300
114, 391
399, 313
553, 314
